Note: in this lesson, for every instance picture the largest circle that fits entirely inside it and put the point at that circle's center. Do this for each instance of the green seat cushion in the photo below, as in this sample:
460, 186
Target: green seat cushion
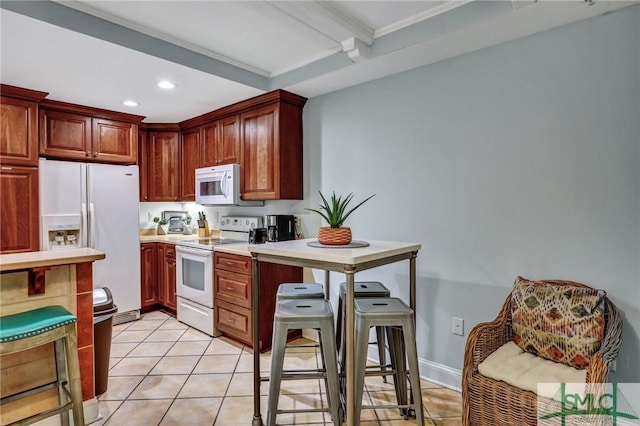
32, 323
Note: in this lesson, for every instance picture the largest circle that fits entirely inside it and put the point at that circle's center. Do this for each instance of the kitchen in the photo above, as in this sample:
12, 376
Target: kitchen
471, 219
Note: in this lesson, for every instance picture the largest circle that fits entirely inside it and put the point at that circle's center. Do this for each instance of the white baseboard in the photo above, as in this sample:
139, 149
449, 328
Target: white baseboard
440, 374
91, 410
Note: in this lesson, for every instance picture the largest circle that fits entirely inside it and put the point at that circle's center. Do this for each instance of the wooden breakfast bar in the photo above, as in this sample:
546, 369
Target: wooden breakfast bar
345, 260
44, 278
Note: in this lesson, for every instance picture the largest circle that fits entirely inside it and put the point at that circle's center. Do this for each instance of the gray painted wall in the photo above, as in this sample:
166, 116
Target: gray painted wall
520, 159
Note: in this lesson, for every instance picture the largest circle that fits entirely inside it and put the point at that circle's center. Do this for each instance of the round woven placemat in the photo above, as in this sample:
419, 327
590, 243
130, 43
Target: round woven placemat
352, 244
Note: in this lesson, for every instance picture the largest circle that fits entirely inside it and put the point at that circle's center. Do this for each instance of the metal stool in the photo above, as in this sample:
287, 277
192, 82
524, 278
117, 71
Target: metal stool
299, 291
360, 289
38, 327
388, 312
297, 314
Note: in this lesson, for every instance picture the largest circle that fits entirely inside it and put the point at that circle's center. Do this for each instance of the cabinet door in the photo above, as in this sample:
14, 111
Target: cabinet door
149, 287
162, 273
114, 141
170, 278
163, 166
260, 154
190, 160
18, 134
228, 146
65, 135
19, 208
210, 136
143, 164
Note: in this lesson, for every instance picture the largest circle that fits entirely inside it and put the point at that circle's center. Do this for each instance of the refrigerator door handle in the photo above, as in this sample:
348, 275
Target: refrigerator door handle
83, 225
92, 224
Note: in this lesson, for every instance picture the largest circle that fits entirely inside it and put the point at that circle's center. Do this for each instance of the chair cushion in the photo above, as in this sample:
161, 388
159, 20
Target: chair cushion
34, 322
562, 323
525, 370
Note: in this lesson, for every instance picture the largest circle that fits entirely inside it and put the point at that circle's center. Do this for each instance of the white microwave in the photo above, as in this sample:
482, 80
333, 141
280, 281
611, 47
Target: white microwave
219, 186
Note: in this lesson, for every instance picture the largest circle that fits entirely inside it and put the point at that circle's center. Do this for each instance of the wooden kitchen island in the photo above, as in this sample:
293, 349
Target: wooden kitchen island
344, 260
36, 279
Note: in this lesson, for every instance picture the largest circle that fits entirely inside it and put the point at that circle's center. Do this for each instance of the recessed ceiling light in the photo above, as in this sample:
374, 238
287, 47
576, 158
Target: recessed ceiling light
166, 84
130, 103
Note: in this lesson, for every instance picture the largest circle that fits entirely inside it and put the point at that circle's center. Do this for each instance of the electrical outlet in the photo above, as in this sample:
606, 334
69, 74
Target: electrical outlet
457, 326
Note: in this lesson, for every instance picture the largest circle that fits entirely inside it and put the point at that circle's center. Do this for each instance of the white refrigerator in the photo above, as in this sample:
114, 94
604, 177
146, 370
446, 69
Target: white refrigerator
104, 200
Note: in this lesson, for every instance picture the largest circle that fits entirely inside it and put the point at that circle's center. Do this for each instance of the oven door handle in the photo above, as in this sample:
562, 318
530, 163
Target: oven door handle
195, 252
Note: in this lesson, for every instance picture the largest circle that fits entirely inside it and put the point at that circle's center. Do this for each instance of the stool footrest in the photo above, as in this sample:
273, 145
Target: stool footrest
303, 375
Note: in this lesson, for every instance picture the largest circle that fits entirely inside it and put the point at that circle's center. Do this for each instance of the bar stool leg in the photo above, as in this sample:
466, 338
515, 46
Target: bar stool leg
73, 373
277, 360
414, 376
394, 335
328, 348
362, 347
61, 370
382, 356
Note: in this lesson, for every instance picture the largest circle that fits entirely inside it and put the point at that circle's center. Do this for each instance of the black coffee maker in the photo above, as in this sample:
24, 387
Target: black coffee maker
280, 227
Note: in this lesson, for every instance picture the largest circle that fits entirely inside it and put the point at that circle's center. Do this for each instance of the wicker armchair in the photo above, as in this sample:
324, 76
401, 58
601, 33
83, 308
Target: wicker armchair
490, 402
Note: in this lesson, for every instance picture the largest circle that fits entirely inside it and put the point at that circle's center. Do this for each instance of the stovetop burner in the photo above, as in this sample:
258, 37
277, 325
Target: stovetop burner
207, 243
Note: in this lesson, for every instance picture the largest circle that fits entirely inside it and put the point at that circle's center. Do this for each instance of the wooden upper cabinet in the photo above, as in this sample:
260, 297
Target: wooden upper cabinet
65, 135
210, 136
228, 146
162, 170
221, 141
76, 132
260, 164
114, 141
143, 164
19, 137
190, 160
19, 125
19, 208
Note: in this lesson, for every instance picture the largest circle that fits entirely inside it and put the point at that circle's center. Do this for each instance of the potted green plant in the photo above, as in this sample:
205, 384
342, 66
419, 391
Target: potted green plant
335, 213
162, 225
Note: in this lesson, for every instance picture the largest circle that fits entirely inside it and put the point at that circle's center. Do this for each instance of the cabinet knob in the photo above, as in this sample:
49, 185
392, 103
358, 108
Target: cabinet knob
87, 154
95, 154
229, 288
175, 198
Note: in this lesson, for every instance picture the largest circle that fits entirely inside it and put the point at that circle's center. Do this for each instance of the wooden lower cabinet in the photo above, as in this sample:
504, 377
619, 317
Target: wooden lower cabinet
158, 276
148, 279
169, 284
19, 209
233, 298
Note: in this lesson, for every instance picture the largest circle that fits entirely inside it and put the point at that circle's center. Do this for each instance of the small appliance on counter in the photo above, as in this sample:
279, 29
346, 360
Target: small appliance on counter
280, 227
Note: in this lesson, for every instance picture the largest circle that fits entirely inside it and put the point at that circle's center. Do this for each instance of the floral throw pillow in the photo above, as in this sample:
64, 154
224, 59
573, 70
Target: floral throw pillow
558, 322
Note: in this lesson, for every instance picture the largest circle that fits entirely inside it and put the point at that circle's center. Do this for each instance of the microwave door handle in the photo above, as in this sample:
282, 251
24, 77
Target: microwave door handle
223, 184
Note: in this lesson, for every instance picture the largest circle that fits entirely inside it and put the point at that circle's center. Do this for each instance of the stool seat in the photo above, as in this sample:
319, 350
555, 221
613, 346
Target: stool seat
34, 322
366, 289
387, 307
308, 309
299, 291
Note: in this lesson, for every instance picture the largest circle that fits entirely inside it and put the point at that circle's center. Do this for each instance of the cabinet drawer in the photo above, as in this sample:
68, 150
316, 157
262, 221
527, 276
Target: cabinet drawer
233, 287
233, 263
233, 320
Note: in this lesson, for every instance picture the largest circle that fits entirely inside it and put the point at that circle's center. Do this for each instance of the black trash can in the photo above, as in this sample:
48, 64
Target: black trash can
103, 311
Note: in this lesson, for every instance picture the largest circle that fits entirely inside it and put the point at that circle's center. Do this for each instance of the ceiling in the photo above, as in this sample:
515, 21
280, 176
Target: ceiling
100, 53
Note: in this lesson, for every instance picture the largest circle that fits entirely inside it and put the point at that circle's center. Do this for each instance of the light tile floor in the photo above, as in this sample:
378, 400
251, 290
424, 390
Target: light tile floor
165, 373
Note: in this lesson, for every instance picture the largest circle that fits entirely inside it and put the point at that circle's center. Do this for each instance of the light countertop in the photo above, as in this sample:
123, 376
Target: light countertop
35, 259
299, 249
